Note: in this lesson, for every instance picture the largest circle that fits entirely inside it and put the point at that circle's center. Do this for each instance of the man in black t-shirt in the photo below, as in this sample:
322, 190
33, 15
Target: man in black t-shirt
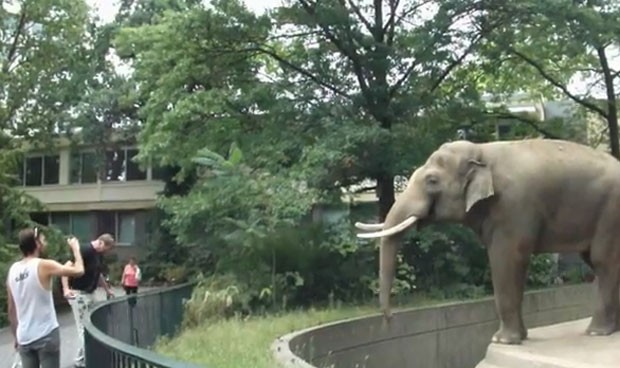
79, 291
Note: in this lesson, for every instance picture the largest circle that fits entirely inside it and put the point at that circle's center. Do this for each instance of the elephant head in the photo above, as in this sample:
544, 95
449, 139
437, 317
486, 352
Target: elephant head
453, 179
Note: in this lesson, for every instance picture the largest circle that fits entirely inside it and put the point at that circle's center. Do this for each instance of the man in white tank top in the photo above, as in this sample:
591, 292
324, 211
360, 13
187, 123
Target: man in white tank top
30, 303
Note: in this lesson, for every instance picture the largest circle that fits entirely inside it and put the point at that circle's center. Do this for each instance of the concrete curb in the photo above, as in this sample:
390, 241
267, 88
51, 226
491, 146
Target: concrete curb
447, 335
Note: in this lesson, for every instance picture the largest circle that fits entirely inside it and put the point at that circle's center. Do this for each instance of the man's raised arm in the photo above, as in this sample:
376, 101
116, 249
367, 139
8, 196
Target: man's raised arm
73, 269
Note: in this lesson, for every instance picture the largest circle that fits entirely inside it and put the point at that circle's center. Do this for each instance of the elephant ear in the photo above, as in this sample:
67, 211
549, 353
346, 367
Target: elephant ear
479, 184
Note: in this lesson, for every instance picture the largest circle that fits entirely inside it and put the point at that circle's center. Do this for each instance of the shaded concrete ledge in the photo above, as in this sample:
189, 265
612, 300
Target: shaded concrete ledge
441, 336
563, 345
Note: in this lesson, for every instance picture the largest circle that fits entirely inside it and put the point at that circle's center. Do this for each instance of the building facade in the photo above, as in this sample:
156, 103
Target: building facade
86, 194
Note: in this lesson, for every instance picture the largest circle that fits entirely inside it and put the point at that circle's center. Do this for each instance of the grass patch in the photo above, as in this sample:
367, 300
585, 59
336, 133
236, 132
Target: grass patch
242, 343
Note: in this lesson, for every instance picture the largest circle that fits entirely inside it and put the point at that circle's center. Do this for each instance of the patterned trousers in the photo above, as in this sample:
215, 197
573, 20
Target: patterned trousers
80, 305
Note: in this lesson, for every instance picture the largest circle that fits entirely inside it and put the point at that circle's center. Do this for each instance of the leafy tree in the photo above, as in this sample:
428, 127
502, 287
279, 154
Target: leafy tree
191, 98
41, 79
40, 76
346, 62
389, 63
313, 98
550, 44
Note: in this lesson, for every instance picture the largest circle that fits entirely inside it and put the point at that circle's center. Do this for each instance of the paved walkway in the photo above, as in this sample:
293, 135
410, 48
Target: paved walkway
563, 345
68, 335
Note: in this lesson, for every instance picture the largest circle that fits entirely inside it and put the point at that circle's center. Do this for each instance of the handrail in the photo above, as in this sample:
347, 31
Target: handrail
105, 350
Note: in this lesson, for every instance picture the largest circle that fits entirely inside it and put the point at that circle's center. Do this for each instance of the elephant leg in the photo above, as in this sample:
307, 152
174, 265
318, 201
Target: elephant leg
607, 306
508, 271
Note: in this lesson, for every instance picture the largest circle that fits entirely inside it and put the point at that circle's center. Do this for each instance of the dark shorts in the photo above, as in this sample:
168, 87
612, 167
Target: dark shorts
130, 289
43, 353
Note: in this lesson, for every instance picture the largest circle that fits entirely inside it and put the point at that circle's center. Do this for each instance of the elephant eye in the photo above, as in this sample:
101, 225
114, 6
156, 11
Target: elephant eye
432, 180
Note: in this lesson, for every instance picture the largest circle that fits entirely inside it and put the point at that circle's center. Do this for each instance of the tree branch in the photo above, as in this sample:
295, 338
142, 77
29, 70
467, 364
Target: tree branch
560, 86
378, 28
601, 137
16, 36
392, 22
455, 63
399, 83
529, 122
294, 35
612, 110
390, 25
364, 189
359, 14
482, 33
351, 54
444, 74
302, 71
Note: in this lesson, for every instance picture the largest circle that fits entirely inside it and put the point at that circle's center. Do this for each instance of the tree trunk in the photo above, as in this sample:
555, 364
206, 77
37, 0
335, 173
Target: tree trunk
385, 192
612, 109
612, 123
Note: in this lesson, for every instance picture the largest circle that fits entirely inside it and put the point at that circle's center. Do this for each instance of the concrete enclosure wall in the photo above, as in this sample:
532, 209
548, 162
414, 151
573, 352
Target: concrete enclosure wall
453, 335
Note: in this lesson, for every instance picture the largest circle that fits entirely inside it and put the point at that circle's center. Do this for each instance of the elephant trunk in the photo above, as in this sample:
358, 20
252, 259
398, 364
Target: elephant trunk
387, 271
400, 214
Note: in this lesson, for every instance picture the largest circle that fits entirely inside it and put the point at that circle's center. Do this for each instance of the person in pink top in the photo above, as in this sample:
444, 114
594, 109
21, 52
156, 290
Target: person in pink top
131, 277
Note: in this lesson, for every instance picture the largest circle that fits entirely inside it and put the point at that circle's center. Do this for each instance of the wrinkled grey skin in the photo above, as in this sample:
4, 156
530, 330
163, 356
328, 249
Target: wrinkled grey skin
521, 198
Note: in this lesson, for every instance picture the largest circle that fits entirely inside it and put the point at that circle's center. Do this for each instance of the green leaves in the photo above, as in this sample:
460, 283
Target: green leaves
217, 164
212, 160
560, 49
278, 113
196, 75
238, 204
235, 154
41, 43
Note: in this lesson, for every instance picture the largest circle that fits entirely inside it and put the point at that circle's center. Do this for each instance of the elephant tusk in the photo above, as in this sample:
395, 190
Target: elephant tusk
391, 231
369, 227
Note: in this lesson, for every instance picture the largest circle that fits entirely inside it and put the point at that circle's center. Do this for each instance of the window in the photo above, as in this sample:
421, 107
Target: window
33, 167
78, 224
62, 221
133, 169
119, 166
126, 228
51, 169
115, 165
84, 168
121, 224
106, 222
41, 170
81, 226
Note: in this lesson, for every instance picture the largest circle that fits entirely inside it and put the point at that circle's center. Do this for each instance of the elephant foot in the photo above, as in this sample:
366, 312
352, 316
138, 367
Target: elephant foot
601, 327
509, 337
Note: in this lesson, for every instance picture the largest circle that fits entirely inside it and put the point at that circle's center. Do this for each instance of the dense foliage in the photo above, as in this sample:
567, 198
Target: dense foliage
274, 115
41, 75
265, 125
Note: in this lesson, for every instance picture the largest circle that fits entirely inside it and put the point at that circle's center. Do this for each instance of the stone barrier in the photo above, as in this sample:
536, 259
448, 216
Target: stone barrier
451, 335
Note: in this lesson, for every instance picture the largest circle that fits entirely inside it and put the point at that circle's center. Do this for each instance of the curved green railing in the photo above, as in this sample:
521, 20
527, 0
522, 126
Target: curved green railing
119, 332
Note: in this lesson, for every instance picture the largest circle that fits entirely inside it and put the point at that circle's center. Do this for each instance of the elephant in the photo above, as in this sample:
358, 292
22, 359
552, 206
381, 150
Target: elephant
520, 197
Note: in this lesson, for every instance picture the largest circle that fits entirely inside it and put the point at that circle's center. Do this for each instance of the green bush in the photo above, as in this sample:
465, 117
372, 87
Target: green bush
450, 262
256, 239
323, 263
214, 298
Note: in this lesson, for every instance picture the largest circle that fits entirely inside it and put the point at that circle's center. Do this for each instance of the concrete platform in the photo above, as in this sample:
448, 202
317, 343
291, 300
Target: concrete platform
562, 345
